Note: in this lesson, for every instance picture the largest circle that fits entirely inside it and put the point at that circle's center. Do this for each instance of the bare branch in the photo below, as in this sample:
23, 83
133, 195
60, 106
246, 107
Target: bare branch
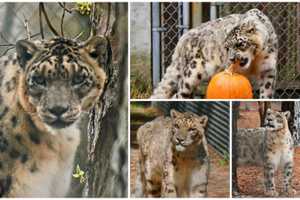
6, 45
62, 19
63, 5
78, 35
41, 21
47, 20
26, 25
3, 38
12, 46
8, 49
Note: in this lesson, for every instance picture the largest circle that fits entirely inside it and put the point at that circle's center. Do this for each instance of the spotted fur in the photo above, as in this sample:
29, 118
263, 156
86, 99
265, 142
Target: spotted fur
247, 39
270, 146
45, 88
174, 159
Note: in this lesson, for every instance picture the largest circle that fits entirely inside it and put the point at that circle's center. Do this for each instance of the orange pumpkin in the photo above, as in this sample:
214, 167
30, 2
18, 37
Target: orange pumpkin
229, 85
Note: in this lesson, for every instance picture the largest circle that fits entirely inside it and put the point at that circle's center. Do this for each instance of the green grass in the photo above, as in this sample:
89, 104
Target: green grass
140, 77
225, 160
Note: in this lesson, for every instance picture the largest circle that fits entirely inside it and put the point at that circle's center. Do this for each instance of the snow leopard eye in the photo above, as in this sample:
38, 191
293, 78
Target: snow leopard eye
192, 130
252, 30
176, 126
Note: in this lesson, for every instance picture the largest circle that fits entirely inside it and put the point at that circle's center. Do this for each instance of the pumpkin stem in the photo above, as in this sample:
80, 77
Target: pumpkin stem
233, 68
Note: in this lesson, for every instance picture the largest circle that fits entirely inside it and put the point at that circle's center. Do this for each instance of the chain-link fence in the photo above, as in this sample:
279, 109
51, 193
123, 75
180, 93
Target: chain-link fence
14, 16
170, 21
286, 21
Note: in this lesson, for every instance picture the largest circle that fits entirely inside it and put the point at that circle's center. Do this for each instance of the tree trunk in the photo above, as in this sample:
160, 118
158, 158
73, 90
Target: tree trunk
106, 174
235, 114
263, 107
296, 126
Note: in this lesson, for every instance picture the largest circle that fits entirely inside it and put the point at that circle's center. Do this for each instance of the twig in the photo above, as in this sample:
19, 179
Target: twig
26, 25
12, 46
62, 20
47, 20
63, 5
41, 21
8, 49
3, 38
6, 45
78, 35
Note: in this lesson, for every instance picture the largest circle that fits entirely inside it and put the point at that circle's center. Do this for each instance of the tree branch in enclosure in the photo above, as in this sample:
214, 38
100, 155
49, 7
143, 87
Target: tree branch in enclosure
62, 20
262, 108
43, 10
235, 114
10, 45
63, 5
41, 21
26, 25
65, 9
101, 20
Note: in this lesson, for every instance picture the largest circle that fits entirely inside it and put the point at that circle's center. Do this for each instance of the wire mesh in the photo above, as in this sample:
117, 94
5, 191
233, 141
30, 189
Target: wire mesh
170, 22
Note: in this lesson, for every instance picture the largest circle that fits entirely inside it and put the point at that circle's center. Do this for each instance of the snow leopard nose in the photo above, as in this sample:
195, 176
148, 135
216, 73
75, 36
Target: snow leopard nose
58, 110
179, 140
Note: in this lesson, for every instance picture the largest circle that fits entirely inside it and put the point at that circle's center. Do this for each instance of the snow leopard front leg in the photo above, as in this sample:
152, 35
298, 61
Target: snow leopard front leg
168, 188
194, 73
269, 179
267, 76
287, 180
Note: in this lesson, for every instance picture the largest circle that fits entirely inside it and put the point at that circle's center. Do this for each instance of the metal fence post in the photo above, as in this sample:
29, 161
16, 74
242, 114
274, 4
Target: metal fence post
155, 11
186, 16
213, 11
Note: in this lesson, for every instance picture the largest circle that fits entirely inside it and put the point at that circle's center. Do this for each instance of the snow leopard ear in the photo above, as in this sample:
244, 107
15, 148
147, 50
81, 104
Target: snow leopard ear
175, 114
25, 52
203, 120
249, 27
287, 114
99, 48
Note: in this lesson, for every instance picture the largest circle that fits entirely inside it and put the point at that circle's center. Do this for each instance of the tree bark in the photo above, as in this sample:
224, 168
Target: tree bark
235, 114
263, 107
106, 174
296, 126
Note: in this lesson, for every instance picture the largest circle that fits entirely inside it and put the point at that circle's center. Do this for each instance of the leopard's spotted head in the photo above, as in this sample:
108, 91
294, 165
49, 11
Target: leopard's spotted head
188, 129
244, 42
276, 120
61, 78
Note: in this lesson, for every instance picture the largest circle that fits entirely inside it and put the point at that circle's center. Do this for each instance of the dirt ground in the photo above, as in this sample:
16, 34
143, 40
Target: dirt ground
250, 178
218, 185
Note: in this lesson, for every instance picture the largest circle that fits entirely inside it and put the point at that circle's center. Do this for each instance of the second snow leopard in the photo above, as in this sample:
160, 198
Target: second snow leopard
270, 146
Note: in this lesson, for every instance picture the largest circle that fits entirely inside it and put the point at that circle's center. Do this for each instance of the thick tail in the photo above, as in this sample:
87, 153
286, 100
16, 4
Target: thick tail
169, 84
